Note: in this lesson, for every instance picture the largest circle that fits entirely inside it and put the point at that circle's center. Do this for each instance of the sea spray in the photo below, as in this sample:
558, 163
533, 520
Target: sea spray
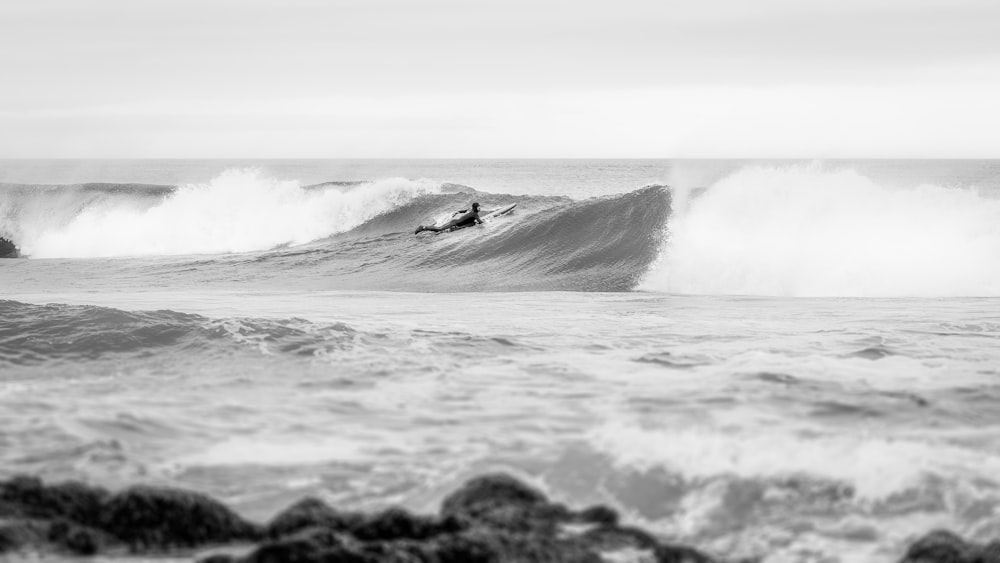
806, 231
240, 210
27, 211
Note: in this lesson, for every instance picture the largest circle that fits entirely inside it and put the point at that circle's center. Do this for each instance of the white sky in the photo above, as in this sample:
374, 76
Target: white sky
506, 78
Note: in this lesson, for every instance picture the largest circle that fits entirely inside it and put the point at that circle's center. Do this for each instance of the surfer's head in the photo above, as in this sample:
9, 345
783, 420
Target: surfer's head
475, 207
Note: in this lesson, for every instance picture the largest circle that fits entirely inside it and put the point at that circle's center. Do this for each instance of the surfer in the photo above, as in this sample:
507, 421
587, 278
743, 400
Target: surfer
467, 219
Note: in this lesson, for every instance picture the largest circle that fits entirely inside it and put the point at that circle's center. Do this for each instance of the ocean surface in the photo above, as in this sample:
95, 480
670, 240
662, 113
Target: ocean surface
798, 361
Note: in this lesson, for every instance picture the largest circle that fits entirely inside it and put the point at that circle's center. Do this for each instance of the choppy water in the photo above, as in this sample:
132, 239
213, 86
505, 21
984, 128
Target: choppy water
793, 360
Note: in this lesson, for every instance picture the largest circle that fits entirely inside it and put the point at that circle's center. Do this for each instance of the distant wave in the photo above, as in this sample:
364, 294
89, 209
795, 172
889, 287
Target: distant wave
41, 334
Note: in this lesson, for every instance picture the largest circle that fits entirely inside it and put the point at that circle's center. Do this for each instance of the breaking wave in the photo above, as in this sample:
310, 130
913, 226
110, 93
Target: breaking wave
788, 231
805, 231
238, 211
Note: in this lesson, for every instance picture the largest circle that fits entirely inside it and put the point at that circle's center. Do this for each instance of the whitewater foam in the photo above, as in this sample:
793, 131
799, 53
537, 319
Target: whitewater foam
807, 231
875, 467
240, 210
278, 451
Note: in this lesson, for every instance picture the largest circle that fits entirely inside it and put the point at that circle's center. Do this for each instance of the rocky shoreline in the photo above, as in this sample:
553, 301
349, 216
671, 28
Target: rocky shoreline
493, 518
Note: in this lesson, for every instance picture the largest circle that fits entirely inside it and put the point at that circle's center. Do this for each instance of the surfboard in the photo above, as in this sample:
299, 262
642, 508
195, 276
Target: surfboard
498, 212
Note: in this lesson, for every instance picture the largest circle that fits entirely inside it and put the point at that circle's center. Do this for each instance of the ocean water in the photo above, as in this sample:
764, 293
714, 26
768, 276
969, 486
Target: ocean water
798, 361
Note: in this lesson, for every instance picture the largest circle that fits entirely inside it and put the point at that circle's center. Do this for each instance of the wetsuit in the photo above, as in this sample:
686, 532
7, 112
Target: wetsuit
469, 219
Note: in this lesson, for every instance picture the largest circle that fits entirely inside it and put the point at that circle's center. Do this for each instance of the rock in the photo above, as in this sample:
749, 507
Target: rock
27, 497
942, 546
305, 546
599, 515
18, 534
151, 518
501, 546
991, 553
58, 536
218, 558
79, 540
679, 554
404, 551
613, 538
485, 494
397, 523
463, 548
324, 545
310, 512
501, 501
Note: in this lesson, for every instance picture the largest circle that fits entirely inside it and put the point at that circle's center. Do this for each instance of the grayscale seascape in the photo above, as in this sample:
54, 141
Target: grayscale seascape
836, 398
746, 307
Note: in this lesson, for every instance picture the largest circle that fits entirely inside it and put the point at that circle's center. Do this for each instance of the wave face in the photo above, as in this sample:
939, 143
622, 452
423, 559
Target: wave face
804, 231
548, 243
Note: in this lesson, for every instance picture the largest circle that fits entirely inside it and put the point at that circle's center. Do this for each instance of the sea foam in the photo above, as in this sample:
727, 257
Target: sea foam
240, 210
806, 231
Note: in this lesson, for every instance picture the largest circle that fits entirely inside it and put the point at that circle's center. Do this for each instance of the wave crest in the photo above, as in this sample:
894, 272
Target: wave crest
804, 231
238, 211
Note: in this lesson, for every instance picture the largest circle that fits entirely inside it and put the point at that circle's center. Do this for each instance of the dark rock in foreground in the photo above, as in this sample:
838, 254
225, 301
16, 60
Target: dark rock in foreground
149, 518
945, 547
490, 519
78, 519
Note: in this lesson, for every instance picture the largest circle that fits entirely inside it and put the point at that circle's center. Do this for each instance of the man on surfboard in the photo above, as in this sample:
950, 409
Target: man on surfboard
468, 218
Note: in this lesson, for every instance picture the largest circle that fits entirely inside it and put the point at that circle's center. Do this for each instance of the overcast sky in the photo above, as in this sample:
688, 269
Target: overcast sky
510, 78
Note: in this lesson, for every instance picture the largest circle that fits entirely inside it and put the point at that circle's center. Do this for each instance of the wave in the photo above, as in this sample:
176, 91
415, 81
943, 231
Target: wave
548, 243
806, 231
238, 211
598, 244
71, 335
787, 231
348, 234
29, 212
41, 334
741, 490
